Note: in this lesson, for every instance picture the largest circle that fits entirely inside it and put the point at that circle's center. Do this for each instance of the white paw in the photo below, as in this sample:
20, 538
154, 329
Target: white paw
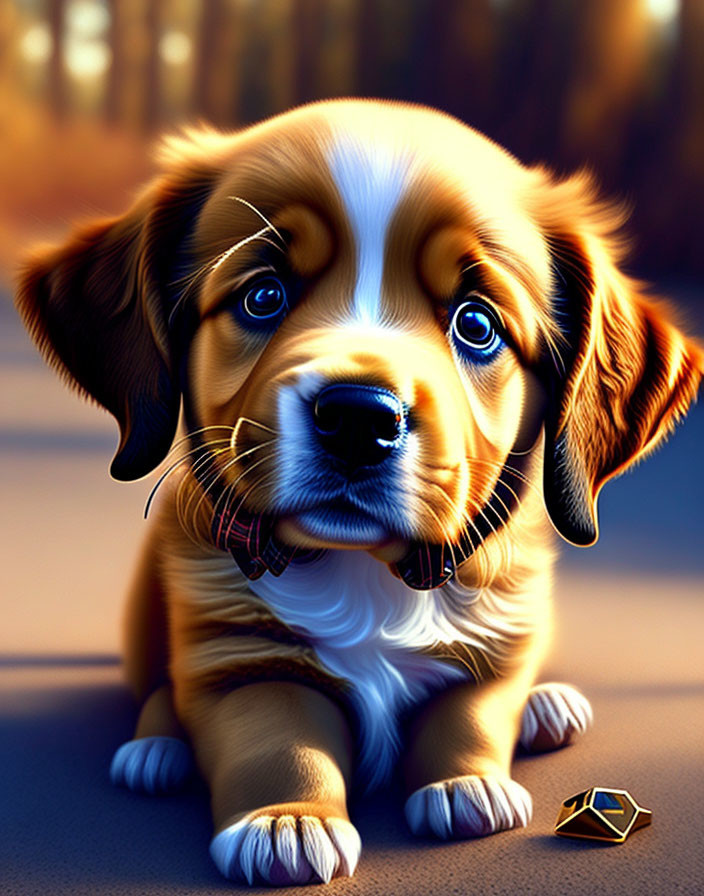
554, 713
287, 849
470, 806
152, 764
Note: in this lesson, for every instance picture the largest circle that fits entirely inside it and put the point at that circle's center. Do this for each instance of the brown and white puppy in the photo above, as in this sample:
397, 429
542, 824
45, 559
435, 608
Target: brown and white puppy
398, 356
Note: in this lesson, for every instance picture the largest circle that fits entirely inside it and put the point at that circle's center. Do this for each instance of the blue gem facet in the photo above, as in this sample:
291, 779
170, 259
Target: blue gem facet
606, 801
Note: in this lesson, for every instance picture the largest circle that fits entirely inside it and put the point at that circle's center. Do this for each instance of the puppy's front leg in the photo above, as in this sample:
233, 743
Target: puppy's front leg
457, 767
277, 757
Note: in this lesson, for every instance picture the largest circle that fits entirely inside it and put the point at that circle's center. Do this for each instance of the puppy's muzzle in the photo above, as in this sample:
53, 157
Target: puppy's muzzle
358, 425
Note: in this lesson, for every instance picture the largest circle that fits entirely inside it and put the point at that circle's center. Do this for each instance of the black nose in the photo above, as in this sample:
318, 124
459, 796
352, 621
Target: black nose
360, 425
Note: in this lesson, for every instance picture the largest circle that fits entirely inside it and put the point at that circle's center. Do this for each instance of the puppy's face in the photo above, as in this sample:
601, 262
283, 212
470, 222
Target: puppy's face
372, 313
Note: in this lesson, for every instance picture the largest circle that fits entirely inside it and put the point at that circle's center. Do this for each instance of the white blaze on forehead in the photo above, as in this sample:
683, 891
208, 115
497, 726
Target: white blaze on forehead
371, 179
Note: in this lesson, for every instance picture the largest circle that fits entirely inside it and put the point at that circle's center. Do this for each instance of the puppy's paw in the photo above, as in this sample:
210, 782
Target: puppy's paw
287, 849
470, 806
553, 715
153, 765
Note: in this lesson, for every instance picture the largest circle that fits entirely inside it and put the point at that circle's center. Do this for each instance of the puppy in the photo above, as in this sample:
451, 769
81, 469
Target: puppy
400, 359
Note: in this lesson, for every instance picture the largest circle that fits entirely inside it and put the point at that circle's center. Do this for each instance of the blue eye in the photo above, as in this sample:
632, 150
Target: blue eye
476, 328
265, 300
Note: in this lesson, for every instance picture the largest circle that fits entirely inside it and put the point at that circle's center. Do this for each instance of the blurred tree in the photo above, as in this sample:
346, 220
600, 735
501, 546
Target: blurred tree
307, 22
151, 112
336, 61
606, 77
117, 38
58, 100
671, 231
534, 47
614, 84
8, 44
367, 40
454, 68
389, 48
215, 75
277, 28
270, 58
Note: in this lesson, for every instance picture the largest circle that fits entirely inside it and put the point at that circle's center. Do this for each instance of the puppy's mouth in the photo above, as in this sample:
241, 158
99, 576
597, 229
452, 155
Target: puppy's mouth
259, 542
345, 517
336, 524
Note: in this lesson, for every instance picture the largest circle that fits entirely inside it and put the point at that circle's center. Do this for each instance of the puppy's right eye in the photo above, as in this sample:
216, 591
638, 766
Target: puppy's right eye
265, 300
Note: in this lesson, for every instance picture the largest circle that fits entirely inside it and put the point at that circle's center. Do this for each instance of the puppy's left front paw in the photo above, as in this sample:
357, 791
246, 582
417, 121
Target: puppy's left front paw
553, 716
152, 765
470, 806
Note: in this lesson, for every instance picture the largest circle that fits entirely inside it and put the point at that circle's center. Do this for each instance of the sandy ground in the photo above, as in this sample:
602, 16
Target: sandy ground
630, 617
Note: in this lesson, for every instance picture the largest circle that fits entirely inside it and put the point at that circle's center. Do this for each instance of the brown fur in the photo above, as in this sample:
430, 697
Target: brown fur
601, 371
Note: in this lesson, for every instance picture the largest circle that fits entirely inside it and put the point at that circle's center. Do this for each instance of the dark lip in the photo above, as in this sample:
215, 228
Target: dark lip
343, 507
342, 502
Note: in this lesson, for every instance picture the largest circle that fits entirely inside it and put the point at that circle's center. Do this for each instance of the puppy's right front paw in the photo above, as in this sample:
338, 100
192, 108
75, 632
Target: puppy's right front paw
287, 849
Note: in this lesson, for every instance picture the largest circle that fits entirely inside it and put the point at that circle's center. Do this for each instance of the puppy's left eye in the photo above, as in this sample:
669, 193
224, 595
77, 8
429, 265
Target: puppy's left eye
477, 330
265, 300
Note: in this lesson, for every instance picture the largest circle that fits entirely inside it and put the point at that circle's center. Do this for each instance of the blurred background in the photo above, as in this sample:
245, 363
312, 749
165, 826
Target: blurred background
87, 87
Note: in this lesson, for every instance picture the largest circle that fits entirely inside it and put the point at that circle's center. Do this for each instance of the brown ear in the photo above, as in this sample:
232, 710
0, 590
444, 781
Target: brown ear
98, 308
627, 373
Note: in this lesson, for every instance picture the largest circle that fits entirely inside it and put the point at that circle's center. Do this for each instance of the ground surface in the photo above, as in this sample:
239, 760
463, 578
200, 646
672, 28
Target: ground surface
630, 623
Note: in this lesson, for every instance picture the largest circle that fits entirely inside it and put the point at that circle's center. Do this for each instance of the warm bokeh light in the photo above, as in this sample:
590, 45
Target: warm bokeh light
175, 47
36, 43
616, 85
87, 18
85, 52
663, 11
87, 58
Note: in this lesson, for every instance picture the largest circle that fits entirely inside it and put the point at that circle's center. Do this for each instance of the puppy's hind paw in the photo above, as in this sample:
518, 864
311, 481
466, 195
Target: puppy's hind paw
554, 715
469, 806
287, 849
153, 765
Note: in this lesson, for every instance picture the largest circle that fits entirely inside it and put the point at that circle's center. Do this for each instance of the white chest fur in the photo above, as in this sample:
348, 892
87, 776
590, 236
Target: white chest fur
368, 627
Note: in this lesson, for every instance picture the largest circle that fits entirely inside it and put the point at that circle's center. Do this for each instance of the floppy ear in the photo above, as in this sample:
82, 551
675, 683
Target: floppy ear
627, 373
98, 310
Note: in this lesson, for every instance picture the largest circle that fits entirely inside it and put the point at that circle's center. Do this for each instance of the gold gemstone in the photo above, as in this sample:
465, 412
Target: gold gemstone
601, 813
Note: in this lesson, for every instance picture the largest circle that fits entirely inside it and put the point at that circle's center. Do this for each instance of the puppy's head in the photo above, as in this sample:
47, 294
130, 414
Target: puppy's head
371, 313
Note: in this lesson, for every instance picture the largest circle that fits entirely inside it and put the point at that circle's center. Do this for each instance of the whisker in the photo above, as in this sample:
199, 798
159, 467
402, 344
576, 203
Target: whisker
209, 459
509, 469
190, 281
228, 466
243, 497
497, 465
245, 241
479, 550
264, 218
443, 530
197, 432
265, 477
191, 483
177, 463
474, 264
231, 486
254, 423
503, 482
203, 447
501, 542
